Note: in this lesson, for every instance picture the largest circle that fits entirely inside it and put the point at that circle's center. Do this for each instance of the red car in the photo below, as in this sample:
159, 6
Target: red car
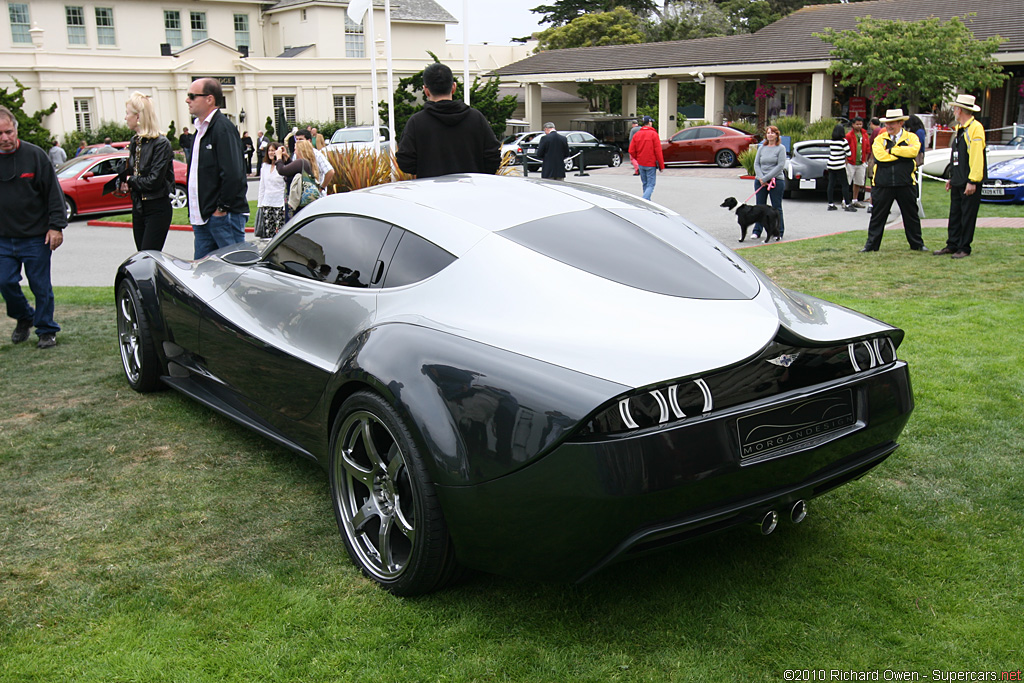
82, 179
707, 145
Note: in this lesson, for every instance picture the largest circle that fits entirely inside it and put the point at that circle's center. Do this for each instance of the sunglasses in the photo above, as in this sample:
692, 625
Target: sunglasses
193, 95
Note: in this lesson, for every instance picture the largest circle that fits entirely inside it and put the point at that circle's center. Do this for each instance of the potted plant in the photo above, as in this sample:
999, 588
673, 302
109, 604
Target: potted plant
945, 119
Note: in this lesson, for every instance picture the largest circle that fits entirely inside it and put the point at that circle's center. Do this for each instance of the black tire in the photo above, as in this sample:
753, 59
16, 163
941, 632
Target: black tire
138, 352
725, 158
69, 209
616, 160
947, 172
384, 501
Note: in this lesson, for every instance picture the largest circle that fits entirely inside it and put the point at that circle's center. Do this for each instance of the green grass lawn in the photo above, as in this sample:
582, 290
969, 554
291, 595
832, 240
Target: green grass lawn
935, 201
145, 538
180, 216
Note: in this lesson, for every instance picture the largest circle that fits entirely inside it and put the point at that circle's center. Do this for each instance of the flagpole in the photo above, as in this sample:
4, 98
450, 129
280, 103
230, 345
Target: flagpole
465, 50
373, 81
391, 87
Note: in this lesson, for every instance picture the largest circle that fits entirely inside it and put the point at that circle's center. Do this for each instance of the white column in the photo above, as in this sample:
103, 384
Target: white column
629, 99
821, 95
534, 111
668, 95
714, 99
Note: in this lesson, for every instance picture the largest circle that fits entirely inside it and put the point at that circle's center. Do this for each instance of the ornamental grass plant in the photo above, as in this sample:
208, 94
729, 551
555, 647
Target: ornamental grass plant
147, 538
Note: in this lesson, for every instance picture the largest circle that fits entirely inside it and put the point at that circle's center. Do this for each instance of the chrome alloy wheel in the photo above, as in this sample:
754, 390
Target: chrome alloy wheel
374, 497
129, 336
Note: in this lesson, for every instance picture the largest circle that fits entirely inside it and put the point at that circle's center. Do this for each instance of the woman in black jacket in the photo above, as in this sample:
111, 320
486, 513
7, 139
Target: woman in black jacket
148, 175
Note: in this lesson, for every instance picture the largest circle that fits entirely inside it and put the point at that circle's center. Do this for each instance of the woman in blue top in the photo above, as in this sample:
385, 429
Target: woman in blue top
768, 166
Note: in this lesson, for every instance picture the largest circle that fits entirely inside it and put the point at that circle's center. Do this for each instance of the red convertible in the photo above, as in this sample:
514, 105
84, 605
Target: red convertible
82, 179
707, 145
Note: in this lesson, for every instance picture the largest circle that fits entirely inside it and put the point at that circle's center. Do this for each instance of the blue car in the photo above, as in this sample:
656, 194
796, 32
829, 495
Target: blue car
1005, 182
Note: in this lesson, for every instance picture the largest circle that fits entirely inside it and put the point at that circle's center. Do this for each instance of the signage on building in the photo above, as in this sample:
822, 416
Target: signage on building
858, 107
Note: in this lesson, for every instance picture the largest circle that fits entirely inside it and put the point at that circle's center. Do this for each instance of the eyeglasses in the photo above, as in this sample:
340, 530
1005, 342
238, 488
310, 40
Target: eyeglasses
193, 95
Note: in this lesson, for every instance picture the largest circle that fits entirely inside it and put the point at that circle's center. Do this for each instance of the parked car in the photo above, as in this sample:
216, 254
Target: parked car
581, 144
511, 149
82, 179
95, 149
807, 166
707, 145
936, 161
359, 137
1005, 182
516, 376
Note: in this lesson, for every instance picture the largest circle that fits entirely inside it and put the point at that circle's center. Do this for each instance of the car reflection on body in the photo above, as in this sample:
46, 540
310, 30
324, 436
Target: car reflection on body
582, 145
1005, 182
578, 378
719, 145
82, 180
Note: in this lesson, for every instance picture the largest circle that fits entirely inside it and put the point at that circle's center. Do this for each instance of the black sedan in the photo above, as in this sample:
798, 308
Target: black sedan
577, 378
582, 146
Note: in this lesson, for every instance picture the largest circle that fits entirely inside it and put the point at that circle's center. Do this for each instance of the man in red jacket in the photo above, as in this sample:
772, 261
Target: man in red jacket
646, 149
857, 162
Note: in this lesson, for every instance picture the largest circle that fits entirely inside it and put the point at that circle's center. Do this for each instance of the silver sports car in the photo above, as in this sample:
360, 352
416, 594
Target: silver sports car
520, 376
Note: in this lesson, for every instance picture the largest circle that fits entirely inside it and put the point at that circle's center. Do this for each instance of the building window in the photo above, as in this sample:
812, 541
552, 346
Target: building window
345, 109
302, 15
242, 31
75, 17
355, 43
20, 24
83, 114
105, 26
198, 26
288, 103
172, 27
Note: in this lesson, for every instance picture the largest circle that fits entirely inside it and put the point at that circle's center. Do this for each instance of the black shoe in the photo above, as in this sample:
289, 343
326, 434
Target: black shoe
865, 250
920, 248
21, 331
943, 251
850, 209
47, 341
832, 207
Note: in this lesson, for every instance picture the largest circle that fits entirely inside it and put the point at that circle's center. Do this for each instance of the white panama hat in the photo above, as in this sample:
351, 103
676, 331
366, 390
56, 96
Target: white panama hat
965, 102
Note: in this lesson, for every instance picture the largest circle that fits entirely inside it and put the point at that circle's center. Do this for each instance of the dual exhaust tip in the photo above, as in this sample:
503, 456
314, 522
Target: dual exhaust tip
797, 514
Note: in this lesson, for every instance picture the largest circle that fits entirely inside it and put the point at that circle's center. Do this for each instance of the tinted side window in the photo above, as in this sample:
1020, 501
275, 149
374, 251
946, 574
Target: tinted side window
689, 134
587, 137
574, 137
710, 133
415, 259
338, 249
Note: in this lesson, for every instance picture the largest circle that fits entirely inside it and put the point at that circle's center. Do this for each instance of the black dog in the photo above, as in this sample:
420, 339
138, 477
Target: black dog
747, 215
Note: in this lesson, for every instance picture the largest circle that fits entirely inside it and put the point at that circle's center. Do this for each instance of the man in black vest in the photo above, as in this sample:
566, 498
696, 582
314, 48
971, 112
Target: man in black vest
967, 170
894, 179
553, 149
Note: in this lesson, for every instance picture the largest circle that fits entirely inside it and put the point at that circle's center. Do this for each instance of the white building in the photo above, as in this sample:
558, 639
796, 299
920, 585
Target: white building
88, 56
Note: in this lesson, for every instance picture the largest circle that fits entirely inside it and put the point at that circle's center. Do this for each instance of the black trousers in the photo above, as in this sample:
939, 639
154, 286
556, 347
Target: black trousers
963, 216
838, 179
150, 223
881, 201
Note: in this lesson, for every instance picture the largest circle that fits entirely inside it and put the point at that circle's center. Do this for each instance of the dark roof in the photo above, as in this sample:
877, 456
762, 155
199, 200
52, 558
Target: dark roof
791, 39
401, 10
294, 51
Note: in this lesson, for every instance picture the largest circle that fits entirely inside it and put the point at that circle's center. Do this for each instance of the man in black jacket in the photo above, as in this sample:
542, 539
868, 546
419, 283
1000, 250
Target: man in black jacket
894, 180
553, 149
446, 136
217, 207
31, 227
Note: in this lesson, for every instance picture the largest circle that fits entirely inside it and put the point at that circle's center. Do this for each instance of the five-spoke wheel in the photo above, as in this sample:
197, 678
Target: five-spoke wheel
138, 354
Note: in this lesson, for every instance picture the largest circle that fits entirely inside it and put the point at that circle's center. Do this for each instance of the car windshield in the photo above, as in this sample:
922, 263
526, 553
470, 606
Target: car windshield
352, 135
73, 167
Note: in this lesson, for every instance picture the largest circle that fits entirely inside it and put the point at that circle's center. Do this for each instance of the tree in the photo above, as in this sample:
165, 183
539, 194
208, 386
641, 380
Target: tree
483, 96
690, 19
269, 128
618, 27
562, 12
913, 62
30, 127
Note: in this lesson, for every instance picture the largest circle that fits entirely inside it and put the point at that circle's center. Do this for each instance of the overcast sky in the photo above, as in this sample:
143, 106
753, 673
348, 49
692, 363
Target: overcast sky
493, 21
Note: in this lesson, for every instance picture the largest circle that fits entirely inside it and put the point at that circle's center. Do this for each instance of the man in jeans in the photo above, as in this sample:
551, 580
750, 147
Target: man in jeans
646, 149
217, 207
31, 227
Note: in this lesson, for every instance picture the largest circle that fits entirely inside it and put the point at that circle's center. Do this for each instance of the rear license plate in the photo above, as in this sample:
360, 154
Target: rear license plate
795, 426
992, 191
808, 184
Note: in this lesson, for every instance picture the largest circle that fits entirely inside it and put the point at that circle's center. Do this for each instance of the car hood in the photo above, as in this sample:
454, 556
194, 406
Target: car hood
1012, 169
508, 296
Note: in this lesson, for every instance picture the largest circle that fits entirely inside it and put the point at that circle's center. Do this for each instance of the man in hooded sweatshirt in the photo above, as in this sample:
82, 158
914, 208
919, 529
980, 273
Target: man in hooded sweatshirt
446, 136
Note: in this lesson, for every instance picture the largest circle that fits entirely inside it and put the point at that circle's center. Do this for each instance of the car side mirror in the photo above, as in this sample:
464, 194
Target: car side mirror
87, 175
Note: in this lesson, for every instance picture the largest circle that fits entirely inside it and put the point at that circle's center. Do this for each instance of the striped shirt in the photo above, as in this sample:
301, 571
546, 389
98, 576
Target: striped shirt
838, 150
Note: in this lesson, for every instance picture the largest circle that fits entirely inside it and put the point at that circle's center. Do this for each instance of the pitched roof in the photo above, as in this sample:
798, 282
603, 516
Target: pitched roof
401, 10
294, 51
791, 39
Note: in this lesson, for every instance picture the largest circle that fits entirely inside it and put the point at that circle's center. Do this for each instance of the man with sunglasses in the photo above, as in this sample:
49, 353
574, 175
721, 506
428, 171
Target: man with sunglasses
217, 208
31, 227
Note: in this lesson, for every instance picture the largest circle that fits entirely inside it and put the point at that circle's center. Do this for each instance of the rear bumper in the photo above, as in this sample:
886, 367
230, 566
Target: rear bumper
588, 504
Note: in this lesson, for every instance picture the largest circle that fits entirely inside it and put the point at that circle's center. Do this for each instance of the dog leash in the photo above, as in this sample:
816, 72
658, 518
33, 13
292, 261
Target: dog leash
769, 186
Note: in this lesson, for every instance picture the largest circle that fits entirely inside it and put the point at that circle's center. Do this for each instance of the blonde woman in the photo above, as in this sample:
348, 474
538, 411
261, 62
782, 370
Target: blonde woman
305, 160
148, 175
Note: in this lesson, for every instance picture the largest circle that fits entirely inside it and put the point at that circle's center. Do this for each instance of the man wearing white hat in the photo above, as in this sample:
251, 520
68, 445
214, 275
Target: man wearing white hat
894, 179
967, 169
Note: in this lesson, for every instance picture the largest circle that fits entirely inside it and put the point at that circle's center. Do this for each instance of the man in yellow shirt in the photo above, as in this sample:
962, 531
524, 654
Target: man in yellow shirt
894, 179
967, 170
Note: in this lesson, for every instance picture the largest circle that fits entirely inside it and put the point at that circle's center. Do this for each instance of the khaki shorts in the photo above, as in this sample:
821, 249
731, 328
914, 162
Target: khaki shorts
857, 174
